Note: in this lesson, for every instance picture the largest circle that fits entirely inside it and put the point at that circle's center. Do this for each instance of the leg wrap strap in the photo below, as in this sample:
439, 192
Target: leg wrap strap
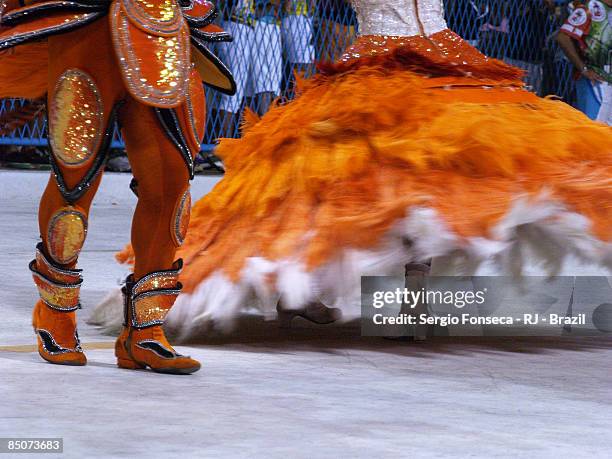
66, 234
58, 288
148, 300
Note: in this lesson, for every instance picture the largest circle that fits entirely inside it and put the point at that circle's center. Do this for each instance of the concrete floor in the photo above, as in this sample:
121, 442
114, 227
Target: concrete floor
302, 393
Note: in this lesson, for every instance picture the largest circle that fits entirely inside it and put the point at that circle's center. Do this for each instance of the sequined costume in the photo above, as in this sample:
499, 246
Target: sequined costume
142, 63
412, 146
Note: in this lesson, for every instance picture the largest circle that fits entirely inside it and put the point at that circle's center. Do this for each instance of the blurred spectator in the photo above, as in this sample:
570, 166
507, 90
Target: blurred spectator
467, 18
297, 32
586, 39
527, 30
561, 9
337, 23
254, 57
557, 69
514, 30
267, 74
494, 32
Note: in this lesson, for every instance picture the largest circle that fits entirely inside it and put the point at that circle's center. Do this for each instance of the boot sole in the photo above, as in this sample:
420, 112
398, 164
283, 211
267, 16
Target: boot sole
176, 371
126, 361
132, 365
167, 371
69, 363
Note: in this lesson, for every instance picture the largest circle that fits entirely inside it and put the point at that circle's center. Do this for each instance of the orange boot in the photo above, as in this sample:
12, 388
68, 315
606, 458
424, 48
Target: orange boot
54, 316
142, 342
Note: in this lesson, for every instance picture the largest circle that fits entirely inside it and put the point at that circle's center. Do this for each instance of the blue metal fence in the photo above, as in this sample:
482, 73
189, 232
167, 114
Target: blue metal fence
34, 133
272, 44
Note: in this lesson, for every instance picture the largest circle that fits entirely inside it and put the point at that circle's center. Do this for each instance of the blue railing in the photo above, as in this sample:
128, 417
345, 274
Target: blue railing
271, 46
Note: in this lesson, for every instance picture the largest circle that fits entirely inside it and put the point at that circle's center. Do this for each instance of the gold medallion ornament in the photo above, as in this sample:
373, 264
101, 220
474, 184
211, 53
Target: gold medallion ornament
181, 216
66, 234
76, 120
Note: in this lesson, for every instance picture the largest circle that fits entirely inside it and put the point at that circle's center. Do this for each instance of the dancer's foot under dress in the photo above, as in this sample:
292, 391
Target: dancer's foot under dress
413, 146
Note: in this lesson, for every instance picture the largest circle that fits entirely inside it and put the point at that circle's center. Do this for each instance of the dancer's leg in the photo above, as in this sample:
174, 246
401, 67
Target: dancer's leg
81, 98
163, 179
157, 231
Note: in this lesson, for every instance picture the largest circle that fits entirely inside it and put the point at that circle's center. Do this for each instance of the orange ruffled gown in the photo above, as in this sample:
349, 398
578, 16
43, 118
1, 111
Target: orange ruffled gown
404, 150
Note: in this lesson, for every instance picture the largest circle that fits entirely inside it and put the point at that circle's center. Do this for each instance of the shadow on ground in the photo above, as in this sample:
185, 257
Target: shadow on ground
255, 334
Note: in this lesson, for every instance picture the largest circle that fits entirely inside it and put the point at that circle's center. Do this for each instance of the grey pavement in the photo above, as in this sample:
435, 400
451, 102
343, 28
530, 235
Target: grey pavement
308, 392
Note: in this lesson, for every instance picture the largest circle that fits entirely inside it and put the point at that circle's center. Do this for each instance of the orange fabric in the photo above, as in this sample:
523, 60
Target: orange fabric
140, 57
88, 49
133, 357
9, 5
61, 325
23, 71
49, 20
199, 9
162, 177
13, 5
337, 167
162, 182
192, 113
157, 165
213, 29
154, 67
442, 54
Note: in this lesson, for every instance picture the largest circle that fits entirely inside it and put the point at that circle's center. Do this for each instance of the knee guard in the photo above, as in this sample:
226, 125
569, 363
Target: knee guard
66, 232
78, 135
76, 120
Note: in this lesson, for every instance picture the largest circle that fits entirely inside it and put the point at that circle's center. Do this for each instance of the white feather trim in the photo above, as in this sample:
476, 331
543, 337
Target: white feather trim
108, 314
534, 231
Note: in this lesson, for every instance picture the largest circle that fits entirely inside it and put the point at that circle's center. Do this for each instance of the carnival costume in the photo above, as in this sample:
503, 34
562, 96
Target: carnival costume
412, 146
141, 63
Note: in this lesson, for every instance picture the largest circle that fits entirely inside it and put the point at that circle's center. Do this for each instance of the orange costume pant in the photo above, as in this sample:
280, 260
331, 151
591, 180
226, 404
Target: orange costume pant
157, 166
141, 64
86, 96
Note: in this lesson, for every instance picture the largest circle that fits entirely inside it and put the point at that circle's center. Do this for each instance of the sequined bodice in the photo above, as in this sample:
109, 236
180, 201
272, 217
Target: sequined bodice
400, 17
